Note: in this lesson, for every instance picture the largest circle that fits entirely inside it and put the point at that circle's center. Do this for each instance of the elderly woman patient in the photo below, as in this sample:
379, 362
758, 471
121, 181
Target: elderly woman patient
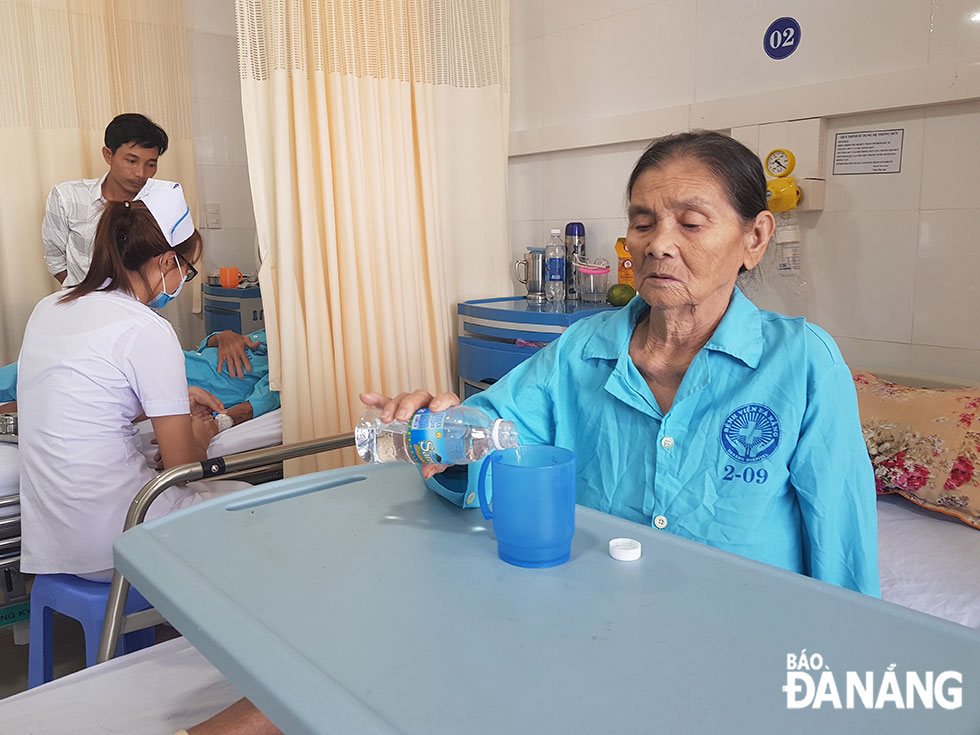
690, 409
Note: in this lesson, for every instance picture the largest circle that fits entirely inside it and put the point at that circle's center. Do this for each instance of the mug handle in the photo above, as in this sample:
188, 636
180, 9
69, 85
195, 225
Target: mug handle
517, 270
482, 487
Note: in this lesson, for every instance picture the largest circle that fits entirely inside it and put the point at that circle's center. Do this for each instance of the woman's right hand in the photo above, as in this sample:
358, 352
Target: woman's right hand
401, 408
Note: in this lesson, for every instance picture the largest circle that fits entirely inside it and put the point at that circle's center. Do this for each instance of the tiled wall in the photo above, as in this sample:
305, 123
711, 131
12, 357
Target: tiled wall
891, 263
219, 134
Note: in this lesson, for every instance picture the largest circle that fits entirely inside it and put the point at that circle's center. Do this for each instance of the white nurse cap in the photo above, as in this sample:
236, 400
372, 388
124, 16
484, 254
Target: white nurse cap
168, 207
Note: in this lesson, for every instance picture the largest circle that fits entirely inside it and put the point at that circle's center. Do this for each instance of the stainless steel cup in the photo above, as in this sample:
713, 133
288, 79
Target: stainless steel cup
533, 276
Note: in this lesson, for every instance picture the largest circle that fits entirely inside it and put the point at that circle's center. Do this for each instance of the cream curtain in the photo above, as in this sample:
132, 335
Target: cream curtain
376, 133
67, 67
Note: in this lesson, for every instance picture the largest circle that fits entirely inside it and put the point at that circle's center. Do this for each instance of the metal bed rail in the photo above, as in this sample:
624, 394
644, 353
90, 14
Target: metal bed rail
11, 582
9, 526
10, 546
116, 622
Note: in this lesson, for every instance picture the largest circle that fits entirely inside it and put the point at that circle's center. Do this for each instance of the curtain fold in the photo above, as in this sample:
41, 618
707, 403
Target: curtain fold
377, 146
67, 67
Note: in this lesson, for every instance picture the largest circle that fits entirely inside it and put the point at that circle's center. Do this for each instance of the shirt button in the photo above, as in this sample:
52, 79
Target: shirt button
660, 522
667, 442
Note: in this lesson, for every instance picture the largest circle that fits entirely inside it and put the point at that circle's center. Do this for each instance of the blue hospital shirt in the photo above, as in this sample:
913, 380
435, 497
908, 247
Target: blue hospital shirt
761, 453
253, 387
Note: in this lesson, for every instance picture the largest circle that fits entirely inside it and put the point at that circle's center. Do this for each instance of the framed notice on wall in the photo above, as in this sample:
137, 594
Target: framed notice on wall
868, 152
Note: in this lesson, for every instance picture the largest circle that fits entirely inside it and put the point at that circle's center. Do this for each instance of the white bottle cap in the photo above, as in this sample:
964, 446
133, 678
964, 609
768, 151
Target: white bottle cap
625, 549
495, 433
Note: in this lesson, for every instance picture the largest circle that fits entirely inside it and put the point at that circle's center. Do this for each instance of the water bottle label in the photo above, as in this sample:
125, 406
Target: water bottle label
426, 437
556, 269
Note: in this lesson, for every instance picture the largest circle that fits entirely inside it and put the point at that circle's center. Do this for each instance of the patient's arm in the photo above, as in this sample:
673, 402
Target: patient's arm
240, 413
183, 438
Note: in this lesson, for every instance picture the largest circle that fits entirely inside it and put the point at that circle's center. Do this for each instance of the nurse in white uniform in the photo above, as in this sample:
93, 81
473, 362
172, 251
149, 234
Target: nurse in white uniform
95, 358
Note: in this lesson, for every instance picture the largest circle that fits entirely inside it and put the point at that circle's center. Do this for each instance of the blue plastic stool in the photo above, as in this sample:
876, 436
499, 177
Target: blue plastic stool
84, 601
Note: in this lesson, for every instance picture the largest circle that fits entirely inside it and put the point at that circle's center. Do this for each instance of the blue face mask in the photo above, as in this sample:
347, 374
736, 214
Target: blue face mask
163, 298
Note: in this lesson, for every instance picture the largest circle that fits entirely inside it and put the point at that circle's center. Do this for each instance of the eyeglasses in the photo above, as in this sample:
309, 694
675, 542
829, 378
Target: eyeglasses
191, 271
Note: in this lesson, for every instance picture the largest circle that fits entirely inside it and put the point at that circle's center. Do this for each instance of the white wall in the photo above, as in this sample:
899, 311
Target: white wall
891, 263
219, 134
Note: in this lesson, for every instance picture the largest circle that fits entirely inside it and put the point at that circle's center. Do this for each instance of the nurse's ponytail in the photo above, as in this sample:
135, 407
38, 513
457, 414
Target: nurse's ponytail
126, 237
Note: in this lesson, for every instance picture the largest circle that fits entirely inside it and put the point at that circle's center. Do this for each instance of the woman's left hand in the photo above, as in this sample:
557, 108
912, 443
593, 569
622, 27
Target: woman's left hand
203, 403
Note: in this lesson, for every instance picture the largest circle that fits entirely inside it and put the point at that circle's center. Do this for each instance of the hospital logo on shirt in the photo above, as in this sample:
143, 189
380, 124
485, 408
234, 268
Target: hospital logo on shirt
750, 433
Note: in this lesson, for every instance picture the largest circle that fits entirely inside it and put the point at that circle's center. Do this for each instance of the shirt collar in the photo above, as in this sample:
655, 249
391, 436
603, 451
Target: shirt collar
739, 333
96, 190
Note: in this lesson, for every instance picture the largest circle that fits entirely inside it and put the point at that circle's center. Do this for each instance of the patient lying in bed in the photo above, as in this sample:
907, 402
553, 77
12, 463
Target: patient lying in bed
235, 369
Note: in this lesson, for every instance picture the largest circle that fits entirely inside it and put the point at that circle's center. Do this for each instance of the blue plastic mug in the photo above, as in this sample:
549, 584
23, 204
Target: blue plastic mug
533, 504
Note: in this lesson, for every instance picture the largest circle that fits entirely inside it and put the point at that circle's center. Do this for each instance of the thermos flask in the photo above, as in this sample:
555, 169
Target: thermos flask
574, 251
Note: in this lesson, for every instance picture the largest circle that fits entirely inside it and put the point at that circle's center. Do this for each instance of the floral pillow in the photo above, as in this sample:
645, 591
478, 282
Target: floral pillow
924, 443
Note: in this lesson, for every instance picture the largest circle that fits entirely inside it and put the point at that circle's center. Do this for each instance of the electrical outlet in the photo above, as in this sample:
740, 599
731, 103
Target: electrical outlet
213, 215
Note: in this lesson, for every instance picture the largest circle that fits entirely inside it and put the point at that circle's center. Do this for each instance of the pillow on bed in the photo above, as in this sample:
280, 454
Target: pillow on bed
924, 443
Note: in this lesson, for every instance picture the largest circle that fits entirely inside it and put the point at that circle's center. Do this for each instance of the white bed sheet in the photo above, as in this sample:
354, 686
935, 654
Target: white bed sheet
264, 431
928, 562
261, 432
156, 691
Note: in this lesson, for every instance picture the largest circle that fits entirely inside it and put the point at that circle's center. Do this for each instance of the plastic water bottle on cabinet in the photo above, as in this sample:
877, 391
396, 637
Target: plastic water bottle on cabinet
554, 258
459, 435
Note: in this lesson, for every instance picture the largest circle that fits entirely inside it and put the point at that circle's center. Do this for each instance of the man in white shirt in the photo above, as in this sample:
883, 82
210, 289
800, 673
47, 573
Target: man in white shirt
133, 143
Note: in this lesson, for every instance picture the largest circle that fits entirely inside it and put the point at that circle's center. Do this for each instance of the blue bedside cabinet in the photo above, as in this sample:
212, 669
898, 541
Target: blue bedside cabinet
490, 328
237, 309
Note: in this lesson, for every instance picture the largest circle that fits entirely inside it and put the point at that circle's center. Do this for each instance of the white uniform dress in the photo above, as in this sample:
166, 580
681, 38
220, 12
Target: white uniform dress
87, 369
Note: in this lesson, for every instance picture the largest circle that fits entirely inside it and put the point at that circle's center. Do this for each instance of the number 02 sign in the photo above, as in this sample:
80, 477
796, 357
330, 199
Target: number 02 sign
782, 37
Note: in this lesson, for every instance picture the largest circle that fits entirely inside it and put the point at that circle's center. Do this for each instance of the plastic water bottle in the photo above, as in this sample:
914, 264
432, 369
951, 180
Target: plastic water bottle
554, 259
574, 250
459, 435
